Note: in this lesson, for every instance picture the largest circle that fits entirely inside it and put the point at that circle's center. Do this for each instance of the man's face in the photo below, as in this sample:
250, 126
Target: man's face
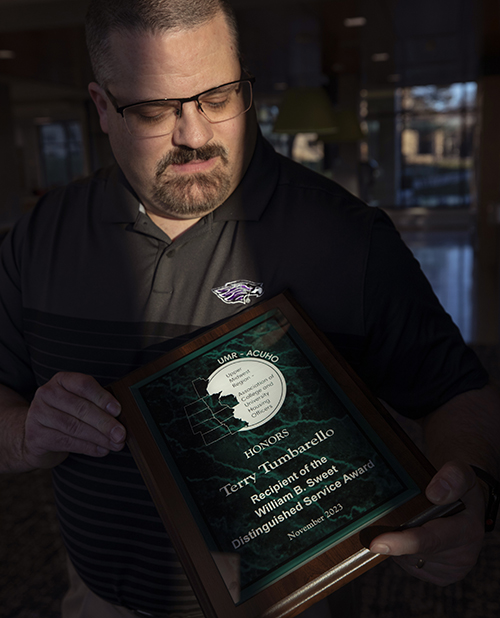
190, 172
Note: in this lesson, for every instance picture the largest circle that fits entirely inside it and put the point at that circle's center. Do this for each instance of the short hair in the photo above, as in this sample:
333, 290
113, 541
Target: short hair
146, 16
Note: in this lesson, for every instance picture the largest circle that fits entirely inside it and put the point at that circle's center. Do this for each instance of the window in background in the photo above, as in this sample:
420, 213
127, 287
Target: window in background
306, 148
266, 115
447, 259
421, 139
62, 152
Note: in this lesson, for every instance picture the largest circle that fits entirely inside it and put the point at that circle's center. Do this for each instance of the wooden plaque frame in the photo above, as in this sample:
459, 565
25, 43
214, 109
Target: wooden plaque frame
330, 562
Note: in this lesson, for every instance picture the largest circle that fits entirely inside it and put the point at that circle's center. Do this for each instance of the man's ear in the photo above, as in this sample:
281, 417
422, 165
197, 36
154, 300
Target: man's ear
102, 104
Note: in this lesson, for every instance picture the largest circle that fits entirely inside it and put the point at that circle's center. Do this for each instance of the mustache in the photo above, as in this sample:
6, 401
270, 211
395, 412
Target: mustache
182, 154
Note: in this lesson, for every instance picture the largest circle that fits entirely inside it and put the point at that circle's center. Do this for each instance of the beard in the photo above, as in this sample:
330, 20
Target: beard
189, 196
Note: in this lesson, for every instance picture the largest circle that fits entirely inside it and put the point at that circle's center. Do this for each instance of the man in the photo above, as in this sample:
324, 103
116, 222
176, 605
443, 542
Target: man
111, 272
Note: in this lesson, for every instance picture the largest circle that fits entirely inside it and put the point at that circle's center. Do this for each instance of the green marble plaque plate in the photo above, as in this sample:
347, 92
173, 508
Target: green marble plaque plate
260, 443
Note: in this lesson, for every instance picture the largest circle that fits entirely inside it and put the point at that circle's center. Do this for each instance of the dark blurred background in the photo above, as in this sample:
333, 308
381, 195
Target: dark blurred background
404, 99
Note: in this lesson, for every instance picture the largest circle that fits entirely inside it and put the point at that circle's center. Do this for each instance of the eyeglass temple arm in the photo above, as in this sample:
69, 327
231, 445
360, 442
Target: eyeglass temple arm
114, 102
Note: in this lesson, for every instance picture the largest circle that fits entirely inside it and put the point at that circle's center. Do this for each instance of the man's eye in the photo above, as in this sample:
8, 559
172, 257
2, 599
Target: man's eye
152, 113
219, 98
217, 102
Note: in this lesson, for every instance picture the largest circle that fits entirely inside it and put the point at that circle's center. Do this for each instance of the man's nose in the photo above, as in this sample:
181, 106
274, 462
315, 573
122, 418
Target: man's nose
192, 128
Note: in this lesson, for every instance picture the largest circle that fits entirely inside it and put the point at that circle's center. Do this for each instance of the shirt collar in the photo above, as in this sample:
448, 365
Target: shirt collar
121, 204
251, 196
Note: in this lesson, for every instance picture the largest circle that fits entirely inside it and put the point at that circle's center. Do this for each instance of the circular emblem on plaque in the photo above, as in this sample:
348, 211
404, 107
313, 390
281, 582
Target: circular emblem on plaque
257, 385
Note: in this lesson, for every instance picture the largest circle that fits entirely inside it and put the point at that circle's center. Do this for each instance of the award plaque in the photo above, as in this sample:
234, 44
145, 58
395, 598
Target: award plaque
270, 463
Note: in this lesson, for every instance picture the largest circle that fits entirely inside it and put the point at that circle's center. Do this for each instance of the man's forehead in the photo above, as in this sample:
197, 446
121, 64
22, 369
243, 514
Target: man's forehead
150, 65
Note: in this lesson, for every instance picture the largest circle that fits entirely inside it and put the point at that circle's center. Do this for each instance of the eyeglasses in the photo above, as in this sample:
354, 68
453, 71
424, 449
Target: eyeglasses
158, 117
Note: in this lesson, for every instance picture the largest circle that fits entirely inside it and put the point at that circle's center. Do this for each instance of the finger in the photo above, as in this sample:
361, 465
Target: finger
103, 430
459, 535
454, 481
63, 443
56, 431
451, 483
54, 396
88, 388
414, 541
76, 417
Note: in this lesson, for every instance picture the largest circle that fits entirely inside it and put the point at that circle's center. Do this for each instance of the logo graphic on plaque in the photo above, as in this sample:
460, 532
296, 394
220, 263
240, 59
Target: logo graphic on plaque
240, 396
273, 459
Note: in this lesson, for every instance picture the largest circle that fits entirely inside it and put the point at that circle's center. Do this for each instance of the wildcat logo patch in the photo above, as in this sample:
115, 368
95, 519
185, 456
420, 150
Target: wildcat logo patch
241, 291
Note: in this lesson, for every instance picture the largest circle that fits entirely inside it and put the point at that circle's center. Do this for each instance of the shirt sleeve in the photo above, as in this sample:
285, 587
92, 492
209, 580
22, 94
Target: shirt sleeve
415, 358
15, 365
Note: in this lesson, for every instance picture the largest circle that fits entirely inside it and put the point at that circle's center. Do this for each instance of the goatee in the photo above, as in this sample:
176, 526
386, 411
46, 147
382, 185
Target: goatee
192, 195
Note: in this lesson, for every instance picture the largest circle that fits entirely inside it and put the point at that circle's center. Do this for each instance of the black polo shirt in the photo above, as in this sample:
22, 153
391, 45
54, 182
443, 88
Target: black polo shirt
89, 283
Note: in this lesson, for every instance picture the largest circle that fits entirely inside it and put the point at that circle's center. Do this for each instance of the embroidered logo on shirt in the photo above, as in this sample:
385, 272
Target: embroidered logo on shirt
241, 291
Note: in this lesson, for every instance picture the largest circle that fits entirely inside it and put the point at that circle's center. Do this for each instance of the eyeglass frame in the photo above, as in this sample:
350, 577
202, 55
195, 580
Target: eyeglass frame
121, 109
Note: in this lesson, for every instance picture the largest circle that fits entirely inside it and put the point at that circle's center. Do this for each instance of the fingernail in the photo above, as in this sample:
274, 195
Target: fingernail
114, 408
438, 490
380, 548
118, 434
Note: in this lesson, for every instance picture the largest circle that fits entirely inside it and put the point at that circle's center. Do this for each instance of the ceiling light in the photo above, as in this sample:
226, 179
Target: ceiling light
382, 57
355, 22
7, 54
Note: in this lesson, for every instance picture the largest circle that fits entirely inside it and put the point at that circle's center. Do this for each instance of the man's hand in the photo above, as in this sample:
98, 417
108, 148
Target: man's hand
71, 413
443, 550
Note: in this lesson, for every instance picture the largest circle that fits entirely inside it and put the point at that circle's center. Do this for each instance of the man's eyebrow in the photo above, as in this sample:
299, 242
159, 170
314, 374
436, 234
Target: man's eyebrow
154, 101
222, 88
129, 102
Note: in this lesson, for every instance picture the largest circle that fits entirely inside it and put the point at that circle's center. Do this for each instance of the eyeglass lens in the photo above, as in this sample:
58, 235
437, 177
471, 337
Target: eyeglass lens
218, 105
